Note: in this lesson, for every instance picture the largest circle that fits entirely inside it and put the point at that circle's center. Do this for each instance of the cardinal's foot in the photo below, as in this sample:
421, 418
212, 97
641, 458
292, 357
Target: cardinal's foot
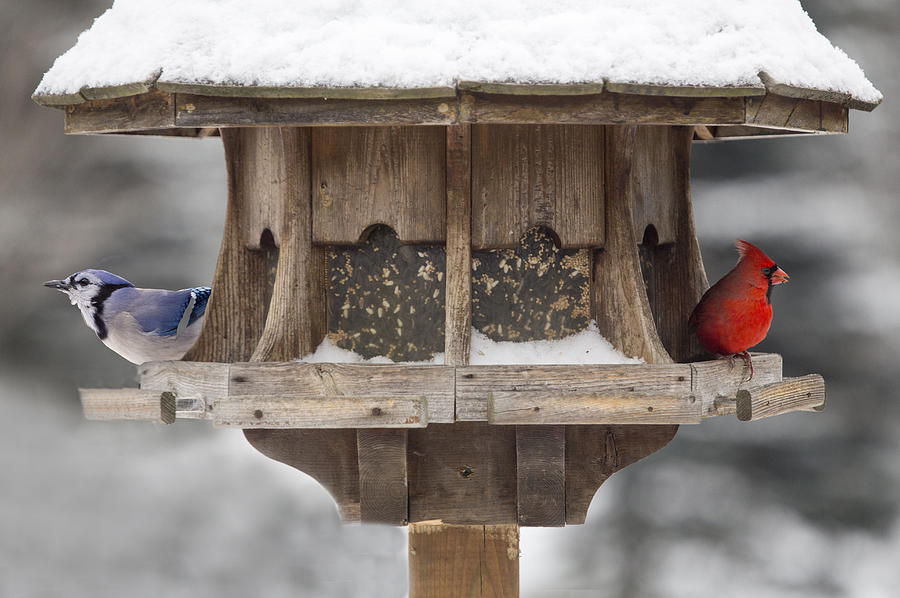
746, 357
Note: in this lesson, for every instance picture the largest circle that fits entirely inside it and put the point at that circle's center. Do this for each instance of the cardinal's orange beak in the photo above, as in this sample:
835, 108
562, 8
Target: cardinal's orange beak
780, 276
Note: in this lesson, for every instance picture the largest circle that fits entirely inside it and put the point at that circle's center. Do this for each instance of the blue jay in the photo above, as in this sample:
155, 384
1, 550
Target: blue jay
139, 324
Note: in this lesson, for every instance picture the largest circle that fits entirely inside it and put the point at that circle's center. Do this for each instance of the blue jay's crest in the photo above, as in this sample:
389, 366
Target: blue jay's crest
104, 277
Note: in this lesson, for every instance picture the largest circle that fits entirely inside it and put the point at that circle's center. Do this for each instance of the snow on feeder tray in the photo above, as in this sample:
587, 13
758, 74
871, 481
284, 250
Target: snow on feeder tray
533, 207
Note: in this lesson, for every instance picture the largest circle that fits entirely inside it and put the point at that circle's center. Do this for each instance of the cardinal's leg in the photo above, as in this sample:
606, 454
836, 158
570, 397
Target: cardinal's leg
746, 357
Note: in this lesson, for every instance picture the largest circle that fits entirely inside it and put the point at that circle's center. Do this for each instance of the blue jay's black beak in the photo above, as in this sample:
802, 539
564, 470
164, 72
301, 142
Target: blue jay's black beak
59, 285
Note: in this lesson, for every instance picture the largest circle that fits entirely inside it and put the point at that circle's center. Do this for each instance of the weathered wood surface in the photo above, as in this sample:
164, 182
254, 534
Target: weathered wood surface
463, 561
672, 269
537, 175
186, 378
236, 314
462, 473
619, 303
209, 111
295, 322
806, 393
717, 382
328, 456
128, 403
532, 89
328, 411
623, 407
599, 109
153, 110
541, 475
388, 175
684, 91
435, 383
458, 292
779, 112
475, 384
593, 453
328, 93
383, 493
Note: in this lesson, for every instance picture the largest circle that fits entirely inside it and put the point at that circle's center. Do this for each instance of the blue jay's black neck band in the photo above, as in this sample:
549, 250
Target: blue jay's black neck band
101, 297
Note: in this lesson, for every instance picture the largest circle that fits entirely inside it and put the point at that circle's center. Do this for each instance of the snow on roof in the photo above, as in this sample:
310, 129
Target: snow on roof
401, 44
585, 347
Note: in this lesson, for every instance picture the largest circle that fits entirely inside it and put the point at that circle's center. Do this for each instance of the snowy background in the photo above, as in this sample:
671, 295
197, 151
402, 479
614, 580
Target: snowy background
798, 506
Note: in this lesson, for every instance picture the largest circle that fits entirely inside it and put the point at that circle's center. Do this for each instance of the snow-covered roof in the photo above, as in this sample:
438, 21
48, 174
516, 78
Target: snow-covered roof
426, 44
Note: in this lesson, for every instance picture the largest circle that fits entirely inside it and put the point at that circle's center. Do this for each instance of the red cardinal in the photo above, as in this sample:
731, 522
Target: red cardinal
735, 313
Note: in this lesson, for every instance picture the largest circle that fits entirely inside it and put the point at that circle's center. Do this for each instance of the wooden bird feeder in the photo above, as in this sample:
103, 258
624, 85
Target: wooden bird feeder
395, 220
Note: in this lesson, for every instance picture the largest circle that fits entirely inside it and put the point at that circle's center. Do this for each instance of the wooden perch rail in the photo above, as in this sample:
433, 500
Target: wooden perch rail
333, 395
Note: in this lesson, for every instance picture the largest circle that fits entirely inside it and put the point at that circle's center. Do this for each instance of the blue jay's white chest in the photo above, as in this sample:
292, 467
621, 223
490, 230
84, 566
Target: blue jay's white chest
125, 337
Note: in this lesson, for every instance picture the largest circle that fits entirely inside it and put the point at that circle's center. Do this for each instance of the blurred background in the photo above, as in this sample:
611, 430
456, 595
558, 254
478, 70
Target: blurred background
797, 506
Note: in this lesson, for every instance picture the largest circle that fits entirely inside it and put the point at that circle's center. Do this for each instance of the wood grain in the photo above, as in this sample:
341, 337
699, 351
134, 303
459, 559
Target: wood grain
128, 403
536, 407
462, 473
537, 175
541, 475
458, 310
153, 110
779, 112
463, 561
806, 393
329, 93
383, 494
435, 383
267, 411
185, 378
209, 111
717, 382
236, 313
328, 456
619, 303
475, 384
363, 176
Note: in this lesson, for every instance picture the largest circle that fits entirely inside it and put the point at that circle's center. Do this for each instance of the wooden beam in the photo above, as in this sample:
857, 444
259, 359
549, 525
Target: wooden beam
328, 93
152, 110
463, 561
806, 393
623, 407
684, 91
717, 382
207, 111
458, 319
128, 403
779, 112
309, 380
185, 378
383, 493
267, 411
541, 475
475, 384
532, 89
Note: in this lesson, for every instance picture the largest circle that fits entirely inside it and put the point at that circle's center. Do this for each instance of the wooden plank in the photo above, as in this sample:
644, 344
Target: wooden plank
57, 100
805, 93
209, 111
599, 109
684, 91
475, 384
463, 561
185, 378
109, 92
128, 403
152, 110
383, 494
657, 181
435, 383
462, 473
779, 112
378, 175
458, 306
268, 411
717, 383
594, 453
331, 93
806, 393
236, 314
536, 407
541, 475
295, 321
537, 175
532, 89
619, 302
328, 456
730, 132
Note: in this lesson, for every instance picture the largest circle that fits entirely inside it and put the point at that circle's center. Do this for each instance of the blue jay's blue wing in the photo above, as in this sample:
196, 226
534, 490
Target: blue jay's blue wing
161, 312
